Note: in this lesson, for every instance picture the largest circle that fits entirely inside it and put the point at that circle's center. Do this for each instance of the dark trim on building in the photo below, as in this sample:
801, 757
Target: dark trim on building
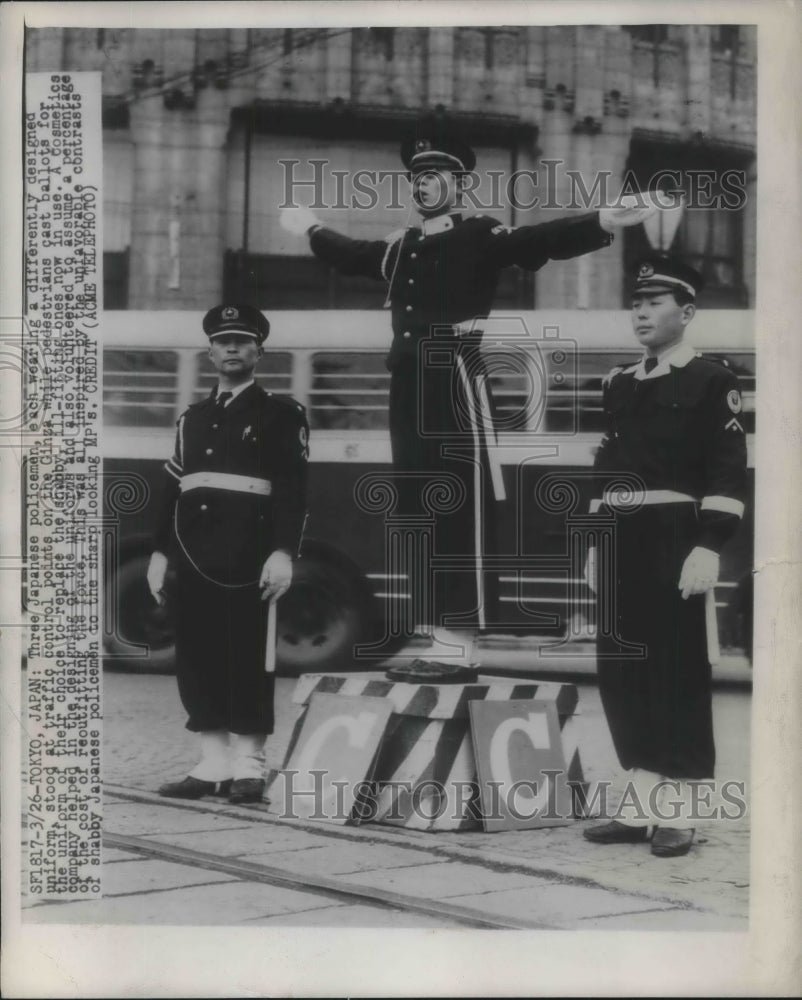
340, 121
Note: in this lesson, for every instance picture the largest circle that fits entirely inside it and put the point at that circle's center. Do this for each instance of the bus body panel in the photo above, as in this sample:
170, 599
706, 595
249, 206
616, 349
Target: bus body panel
155, 364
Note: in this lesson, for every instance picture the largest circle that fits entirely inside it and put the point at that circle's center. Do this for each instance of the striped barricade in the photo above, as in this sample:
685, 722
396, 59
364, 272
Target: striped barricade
425, 773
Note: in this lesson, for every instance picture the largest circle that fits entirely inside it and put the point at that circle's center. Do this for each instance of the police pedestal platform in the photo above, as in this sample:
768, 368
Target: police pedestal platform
424, 770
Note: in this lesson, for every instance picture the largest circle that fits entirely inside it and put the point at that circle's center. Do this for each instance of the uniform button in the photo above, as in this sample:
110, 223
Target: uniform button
413, 256
215, 426
407, 335
204, 506
208, 451
411, 281
409, 309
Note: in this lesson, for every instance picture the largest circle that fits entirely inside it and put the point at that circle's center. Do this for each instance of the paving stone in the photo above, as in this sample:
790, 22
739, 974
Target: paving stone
445, 879
138, 818
250, 838
343, 858
223, 904
355, 916
128, 877
555, 905
666, 920
111, 855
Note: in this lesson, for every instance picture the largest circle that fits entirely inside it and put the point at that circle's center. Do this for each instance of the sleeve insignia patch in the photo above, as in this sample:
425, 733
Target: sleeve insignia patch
734, 401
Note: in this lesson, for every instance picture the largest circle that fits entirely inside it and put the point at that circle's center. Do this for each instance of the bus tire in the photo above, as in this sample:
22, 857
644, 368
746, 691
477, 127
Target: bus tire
326, 612
328, 609
139, 621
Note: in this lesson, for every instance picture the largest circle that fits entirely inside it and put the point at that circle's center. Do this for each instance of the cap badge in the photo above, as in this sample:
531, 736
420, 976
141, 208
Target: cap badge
646, 271
230, 313
422, 146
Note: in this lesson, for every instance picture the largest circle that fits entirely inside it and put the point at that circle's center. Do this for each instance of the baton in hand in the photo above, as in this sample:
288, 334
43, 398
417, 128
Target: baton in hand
711, 623
270, 648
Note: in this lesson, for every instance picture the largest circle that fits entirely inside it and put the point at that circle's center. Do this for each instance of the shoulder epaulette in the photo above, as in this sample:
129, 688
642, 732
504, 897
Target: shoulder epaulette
289, 401
608, 378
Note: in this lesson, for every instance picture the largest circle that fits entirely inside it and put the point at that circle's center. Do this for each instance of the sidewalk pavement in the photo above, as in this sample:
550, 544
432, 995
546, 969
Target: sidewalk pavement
550, 877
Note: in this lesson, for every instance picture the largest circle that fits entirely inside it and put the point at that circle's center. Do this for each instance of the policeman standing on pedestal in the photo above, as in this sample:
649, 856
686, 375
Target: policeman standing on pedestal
441, 278
673, 427
235, 502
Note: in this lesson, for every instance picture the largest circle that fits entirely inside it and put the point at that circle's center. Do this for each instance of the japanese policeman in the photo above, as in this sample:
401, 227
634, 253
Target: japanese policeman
441, 277
233, 512
676, 443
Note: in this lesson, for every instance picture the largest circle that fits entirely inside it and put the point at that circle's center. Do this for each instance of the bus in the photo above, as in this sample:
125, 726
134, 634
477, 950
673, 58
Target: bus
546, 370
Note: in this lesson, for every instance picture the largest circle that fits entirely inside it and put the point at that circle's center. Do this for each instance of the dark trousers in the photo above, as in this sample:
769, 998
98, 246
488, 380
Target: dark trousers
220, 647
659, 703
441, 472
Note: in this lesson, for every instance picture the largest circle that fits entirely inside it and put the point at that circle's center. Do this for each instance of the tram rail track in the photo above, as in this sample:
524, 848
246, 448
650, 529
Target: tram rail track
338, 888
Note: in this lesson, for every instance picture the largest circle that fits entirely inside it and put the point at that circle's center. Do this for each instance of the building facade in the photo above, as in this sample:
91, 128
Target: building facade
207, 132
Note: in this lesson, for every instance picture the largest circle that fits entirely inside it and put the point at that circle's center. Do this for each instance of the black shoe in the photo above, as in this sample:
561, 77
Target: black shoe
668, 842
616, 833
194, 788
246, 790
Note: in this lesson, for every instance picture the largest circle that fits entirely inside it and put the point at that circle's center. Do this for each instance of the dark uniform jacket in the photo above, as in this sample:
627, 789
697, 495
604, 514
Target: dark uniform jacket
236, 485
678, 428
446, 271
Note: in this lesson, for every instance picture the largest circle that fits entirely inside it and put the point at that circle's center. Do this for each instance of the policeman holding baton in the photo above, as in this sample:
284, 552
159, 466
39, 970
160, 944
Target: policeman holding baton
232, 514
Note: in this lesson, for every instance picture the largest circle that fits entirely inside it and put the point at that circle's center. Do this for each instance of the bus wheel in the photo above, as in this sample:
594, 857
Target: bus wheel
139, 622
326, 611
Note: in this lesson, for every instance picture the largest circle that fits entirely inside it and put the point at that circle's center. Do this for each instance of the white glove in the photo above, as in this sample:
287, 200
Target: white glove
157, 569
590, 569
699, 572
298, 221
276, 574
629, 212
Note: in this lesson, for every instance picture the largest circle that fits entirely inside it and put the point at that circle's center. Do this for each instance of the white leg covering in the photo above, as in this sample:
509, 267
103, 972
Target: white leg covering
676, 805
457, 646
640, 796
248, 755
214, 764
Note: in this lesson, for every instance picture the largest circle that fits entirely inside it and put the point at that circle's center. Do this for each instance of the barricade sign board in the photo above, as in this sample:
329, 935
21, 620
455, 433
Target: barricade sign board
425, 774
331, 758
520, 762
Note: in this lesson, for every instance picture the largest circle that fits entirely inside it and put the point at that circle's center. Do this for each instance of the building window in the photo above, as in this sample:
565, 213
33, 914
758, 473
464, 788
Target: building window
710, 236
115, 279
382, 42
118, 194
725, 39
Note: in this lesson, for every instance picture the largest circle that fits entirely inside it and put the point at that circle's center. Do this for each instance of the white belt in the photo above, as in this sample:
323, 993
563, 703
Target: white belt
631, 499
226, 481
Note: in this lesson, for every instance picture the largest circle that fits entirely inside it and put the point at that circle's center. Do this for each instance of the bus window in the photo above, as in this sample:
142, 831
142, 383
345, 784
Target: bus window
576, 402
517, 382
140, 388
349, 390
274, 374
